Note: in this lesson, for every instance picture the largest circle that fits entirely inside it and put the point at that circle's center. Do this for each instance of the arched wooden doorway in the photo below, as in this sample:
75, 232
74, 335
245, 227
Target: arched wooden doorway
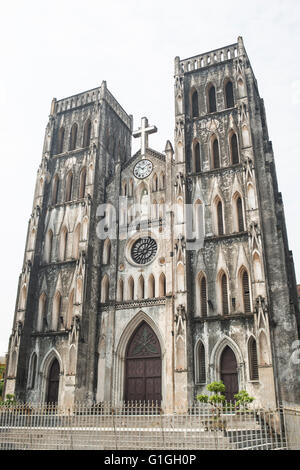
53, 382
229, 374
143, 366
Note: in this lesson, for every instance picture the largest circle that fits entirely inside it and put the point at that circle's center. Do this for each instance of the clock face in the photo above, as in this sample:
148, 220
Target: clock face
142, 169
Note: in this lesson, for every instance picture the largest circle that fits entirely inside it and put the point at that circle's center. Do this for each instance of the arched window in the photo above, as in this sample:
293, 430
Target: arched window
56, 312
229, 98
48, 246
195, 107
70, 309
202, 295
124, 188
76, 240
200, 362
63, 244
60, 140
120, 292
212, 103
73, 137
162, 285
220, 222
246, 291
82, 183
106, 251
155, 182
224, 294
69, 184
197, 161
253, 361
162, 181
215, 153
105, 289
240, 216
41, 312
87, 133
55, 188
151, 287
32, 371
130, 290
141, 288
234, 150
23, 298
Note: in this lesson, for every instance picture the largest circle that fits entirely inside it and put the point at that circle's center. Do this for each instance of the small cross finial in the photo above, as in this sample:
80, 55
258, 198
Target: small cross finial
143, 133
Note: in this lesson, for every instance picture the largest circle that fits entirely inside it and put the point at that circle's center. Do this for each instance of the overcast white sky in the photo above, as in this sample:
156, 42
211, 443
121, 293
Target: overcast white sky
60, 48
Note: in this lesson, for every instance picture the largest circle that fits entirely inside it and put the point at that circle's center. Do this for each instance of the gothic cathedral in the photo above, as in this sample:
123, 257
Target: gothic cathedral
146, 277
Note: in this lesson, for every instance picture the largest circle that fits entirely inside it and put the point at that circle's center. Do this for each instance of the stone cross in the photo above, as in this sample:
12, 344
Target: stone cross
143, 133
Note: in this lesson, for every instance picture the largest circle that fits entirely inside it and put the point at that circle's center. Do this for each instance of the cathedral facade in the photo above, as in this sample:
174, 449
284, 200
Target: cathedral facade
146, 277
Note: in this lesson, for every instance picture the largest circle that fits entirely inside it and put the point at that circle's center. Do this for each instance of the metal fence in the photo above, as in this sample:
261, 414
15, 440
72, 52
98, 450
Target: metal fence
135, 426
292, 427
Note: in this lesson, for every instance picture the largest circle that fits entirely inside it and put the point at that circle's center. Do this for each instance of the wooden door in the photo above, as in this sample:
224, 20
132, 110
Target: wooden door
143, 366
53, 382
229, 374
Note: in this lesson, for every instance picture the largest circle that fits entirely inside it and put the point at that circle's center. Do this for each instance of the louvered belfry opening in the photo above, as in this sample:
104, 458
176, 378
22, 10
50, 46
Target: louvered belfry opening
73, 137
220, 218
195, 107
239, 207
201, 363
216, 154
60, 140
212, 100
197, 157
253, 361
224, 290
203, 297
234, 150
229, 95
246, 292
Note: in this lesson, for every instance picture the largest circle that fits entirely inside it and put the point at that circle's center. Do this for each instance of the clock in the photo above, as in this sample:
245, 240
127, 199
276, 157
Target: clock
142, 169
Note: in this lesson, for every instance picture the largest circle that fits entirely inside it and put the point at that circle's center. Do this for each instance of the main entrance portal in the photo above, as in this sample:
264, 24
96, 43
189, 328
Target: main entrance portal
143, 366
229, 374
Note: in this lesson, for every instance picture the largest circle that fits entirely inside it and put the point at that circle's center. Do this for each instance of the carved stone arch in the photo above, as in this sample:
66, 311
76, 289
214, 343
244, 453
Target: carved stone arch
251, 196
214, 151
238, 212
72, 359
263, 349
211, 101
229, 100
257, 266
215, 360
234, 147
201, 294
194, 102
120, 354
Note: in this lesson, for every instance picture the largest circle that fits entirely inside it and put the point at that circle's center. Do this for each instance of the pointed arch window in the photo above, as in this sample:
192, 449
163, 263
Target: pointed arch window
130, 292
162, 181
69, 184
55, 188
195, 106
203, 295
87, 133
151, 287
82, 183
215, 153
63, 244
229, 98
105, 289
76, 242
32, 371
49, 246
60, 140
162, 285
70, 309
212, 103
220, 222
141, 287
234, 150
56, 313
155, 182
224, 294
197, 160
253, 360
120, 293
240, 216
246, 291
42, 312
201, 366
73, 137
106, 251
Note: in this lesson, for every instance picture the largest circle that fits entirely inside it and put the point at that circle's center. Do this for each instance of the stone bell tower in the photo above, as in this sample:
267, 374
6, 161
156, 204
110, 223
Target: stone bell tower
240, 291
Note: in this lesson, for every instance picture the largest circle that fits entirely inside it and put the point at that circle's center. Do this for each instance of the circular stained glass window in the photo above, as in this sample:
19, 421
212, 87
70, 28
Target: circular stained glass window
143, 250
